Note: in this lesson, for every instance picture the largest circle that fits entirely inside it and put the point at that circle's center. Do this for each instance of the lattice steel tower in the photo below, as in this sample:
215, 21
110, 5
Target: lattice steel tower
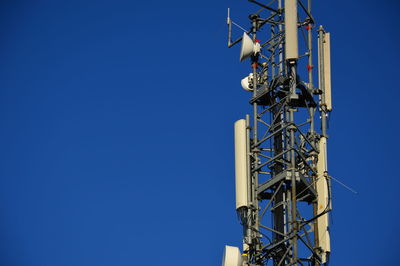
283, 193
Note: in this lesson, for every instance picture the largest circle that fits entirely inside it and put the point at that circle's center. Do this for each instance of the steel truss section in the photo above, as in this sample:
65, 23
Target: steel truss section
280, 221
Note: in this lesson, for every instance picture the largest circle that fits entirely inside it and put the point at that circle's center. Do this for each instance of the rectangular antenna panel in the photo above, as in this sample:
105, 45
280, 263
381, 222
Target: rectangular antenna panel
241, 163
291, 38
327, 71
323, 200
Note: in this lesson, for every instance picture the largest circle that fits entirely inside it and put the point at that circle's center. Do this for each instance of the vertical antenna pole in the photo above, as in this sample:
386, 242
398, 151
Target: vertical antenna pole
291, 55
310, 67
229, 22
254, 19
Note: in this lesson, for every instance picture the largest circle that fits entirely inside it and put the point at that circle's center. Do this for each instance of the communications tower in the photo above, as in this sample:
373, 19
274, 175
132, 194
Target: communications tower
283, 189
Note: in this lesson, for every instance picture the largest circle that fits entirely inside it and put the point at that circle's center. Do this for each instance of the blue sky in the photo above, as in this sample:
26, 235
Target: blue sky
116, 142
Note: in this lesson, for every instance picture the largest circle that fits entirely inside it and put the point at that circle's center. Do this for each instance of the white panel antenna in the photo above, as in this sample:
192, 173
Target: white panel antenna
323, 201
232, 257
241, 167
327, 71
291, 43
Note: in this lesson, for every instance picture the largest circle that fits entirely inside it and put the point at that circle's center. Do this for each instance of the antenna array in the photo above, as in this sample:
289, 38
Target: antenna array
283, 191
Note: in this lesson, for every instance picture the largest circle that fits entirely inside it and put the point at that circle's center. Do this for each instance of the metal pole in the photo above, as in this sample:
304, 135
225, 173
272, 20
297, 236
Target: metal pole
254, 19
279, 219
292, 129
312, 124
310, 67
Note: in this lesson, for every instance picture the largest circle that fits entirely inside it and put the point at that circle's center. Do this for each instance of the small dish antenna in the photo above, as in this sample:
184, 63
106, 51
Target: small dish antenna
249, 48
246, 82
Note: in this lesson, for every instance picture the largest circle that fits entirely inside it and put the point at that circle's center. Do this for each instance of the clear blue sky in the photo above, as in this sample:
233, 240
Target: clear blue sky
116, 142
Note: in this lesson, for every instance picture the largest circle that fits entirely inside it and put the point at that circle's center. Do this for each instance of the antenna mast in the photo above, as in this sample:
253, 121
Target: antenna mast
283, 191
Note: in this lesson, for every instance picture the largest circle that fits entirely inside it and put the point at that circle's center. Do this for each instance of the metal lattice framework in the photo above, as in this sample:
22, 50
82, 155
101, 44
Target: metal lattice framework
280, 222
